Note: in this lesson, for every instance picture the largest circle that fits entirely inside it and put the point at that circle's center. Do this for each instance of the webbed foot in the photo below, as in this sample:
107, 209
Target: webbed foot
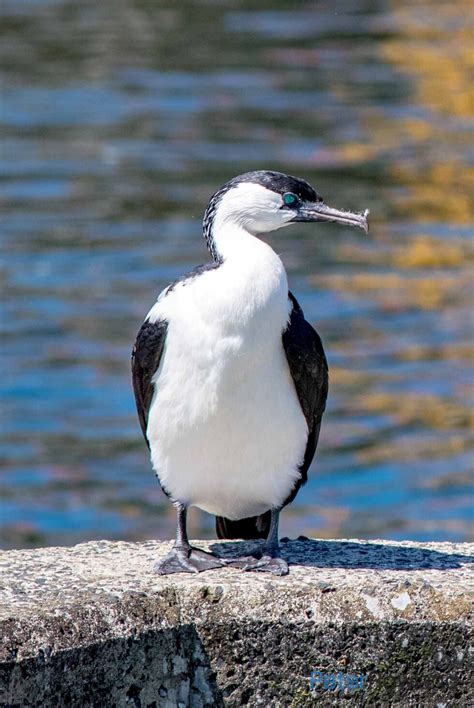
242, 561
262, 562
268, 564
186, 559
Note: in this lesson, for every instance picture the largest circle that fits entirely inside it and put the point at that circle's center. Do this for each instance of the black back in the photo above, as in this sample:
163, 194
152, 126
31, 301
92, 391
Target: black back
146, 357
309, 370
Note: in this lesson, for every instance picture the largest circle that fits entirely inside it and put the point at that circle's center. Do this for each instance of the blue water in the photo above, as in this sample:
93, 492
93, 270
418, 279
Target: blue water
117, 124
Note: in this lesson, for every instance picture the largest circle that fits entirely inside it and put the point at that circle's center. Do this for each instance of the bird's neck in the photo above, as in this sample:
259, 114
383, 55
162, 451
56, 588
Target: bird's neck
251, 269
228, 238
232, 243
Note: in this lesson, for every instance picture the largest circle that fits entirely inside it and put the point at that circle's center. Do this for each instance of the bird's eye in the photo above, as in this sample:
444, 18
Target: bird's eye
290, 199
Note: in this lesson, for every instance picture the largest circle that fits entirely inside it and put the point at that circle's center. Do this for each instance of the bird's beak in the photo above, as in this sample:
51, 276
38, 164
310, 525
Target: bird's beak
318, 211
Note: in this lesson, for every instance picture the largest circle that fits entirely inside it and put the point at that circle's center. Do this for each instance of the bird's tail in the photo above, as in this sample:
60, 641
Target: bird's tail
251, 527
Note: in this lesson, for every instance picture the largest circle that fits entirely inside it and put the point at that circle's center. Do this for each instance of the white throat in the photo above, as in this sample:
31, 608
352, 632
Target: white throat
252, 279
241, 214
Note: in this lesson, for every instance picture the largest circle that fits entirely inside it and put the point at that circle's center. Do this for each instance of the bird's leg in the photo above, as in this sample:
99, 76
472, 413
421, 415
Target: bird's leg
269, 560
184, 558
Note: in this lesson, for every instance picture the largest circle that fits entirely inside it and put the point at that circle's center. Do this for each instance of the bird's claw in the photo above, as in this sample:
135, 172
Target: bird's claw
265, 563
269, 564
241, 561
187, 560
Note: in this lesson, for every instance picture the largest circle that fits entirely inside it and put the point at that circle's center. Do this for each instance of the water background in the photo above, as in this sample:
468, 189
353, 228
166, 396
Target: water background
118, 120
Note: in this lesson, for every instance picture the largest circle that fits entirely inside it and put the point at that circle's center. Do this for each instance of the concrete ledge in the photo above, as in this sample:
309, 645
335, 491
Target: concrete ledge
93, 625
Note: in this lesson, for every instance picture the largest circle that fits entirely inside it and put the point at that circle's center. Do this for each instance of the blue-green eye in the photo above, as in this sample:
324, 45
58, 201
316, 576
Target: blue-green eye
290, 199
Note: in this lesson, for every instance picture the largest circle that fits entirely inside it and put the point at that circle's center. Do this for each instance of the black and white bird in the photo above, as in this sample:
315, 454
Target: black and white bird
230, 380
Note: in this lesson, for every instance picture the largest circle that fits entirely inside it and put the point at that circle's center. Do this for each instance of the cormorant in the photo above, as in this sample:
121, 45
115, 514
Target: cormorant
230, 380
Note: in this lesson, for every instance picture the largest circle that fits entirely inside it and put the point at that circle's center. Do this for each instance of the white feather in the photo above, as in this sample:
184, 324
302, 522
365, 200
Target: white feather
225, 426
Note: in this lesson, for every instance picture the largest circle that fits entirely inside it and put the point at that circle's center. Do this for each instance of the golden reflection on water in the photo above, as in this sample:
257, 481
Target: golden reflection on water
435, 49
395, 291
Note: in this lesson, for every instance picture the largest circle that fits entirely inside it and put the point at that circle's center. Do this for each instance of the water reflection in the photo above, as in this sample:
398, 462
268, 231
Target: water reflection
118, 122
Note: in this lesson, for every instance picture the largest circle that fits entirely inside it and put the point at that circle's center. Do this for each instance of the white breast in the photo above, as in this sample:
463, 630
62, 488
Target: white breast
226, 430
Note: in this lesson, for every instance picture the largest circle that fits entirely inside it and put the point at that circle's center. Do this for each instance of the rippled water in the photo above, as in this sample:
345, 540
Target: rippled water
118, 120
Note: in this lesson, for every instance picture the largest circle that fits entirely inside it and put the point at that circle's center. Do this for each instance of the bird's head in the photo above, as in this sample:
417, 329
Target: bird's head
263, 201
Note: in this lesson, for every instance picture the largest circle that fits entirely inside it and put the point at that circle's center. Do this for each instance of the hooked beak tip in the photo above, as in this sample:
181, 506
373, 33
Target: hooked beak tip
365, 224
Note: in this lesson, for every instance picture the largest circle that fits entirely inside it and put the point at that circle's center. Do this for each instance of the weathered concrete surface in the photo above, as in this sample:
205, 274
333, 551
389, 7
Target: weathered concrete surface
93, 625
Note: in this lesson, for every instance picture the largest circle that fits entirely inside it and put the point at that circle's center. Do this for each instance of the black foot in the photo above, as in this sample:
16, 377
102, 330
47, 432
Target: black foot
187, 560
263, 564
242, 561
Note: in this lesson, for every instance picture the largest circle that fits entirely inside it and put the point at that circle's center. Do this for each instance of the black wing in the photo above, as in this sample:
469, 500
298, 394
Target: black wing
309, 370
148, 350
146, 357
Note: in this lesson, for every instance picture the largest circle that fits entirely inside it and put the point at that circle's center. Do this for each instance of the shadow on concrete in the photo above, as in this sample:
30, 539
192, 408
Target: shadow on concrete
156, 669
351, 554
